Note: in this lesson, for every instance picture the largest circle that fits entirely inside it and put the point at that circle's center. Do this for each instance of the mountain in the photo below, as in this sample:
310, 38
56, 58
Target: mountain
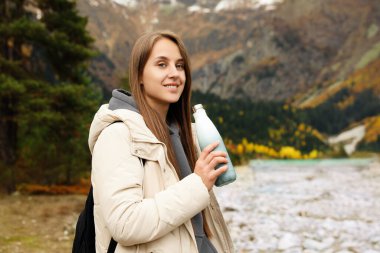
286, 50
322, 56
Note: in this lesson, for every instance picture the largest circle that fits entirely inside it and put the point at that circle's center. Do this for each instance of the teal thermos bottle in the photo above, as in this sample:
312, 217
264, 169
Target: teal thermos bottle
207, 134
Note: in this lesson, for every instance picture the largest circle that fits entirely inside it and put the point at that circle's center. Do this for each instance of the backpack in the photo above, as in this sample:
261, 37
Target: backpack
84, 240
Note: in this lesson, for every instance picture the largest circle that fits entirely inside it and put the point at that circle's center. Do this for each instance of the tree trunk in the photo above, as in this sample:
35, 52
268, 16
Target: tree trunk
8, 141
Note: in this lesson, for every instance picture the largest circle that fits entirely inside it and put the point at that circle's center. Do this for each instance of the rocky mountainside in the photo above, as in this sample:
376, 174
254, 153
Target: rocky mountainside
292, 50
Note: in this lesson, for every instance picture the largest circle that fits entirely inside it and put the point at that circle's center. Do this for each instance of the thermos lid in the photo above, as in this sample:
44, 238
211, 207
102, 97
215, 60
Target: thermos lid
197, 107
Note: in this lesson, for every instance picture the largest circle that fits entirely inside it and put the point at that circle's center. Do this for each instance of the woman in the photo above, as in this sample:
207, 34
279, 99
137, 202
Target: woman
152, 186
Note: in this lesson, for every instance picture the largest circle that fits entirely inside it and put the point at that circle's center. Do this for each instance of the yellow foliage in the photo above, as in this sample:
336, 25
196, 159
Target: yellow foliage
290, 152
347, 102
313, 154
301, 127
248, 149
240, 149
372, 129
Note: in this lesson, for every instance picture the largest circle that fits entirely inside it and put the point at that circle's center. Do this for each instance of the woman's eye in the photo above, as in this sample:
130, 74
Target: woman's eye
180, 66
162, 65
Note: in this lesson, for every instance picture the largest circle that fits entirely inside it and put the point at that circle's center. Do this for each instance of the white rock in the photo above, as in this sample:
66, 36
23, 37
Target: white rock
317, 245
321, 233
350, 244
289, 240
310, 251
293, 250
336, 211
375, 238
265, 244
329, 224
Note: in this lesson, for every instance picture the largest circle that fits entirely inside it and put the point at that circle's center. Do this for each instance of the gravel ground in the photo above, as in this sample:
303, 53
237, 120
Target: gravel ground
38, 224
322, 206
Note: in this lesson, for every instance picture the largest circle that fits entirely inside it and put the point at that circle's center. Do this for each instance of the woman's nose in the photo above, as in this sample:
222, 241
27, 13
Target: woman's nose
173, 71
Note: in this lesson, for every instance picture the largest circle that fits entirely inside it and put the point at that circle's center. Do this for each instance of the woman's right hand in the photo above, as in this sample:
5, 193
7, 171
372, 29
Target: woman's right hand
206, 163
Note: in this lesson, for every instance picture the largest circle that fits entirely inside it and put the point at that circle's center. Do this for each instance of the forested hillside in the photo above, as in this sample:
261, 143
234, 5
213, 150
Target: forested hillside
279, 130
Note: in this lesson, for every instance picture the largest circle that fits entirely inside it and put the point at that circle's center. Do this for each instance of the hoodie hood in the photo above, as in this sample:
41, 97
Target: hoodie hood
122, 108
122, 99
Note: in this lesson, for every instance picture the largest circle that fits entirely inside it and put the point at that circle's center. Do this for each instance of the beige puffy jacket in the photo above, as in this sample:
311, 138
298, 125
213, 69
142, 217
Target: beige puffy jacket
143, 205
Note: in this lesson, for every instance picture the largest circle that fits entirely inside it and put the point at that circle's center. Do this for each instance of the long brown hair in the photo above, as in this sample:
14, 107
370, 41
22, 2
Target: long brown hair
179, 112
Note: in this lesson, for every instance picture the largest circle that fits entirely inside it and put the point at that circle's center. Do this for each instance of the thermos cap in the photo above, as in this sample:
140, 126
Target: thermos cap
197, 107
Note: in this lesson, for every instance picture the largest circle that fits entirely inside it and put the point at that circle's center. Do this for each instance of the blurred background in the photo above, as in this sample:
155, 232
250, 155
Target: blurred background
283, 80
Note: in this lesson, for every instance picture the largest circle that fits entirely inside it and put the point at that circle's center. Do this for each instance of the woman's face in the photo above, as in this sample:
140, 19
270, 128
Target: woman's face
164, 75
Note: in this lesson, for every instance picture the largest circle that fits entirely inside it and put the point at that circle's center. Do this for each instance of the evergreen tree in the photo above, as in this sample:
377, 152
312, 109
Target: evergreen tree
46, 99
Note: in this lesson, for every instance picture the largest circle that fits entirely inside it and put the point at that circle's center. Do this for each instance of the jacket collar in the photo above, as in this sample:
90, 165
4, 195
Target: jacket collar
144, 143
140, 133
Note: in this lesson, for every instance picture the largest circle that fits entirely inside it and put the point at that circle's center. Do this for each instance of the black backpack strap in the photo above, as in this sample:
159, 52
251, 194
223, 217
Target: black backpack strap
112, 246
84, 240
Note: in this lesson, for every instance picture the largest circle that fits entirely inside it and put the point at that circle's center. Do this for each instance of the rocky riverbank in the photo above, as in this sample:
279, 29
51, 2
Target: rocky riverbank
330, 207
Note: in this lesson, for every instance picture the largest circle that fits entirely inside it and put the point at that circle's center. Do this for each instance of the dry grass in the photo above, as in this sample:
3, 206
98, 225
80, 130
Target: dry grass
38, 224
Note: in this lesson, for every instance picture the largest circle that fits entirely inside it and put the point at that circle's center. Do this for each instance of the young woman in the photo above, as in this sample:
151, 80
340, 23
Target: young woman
152, 185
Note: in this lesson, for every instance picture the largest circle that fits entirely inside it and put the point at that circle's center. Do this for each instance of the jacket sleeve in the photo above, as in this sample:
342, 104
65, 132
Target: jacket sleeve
117, 178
